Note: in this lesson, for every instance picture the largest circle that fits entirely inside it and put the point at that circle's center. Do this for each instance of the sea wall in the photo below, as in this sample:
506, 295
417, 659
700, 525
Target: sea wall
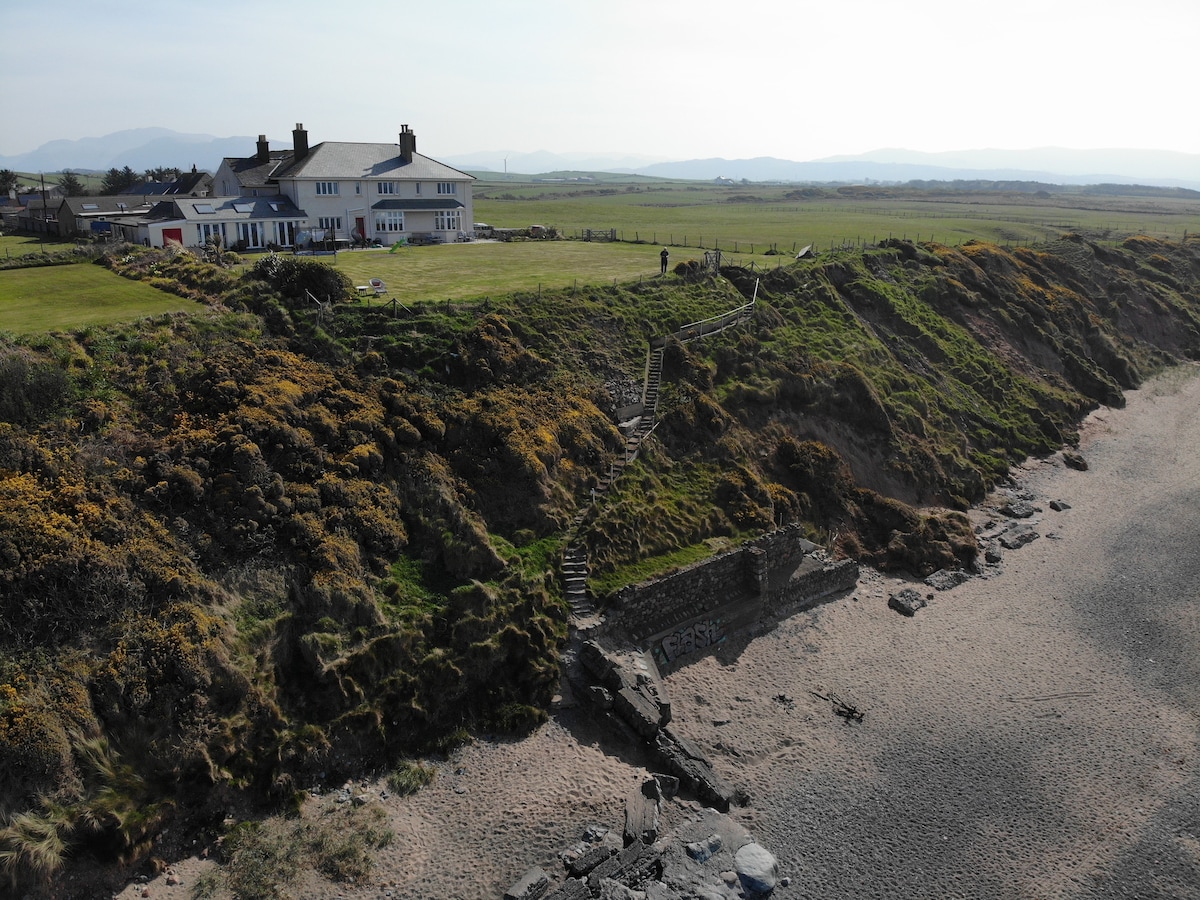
692, 611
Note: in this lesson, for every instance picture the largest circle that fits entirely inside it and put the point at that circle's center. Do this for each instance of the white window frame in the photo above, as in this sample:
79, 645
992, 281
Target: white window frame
206, 230
448, 220
253, 233
447, 187
330, 223
389, 221
327, 189
386, 187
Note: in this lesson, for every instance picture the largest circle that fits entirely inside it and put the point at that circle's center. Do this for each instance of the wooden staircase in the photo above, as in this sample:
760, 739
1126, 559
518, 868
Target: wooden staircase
574, 562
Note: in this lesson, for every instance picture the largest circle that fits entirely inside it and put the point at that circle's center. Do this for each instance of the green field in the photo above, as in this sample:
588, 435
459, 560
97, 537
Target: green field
463, 271
752, 217
62, 298
13, 245
753, 225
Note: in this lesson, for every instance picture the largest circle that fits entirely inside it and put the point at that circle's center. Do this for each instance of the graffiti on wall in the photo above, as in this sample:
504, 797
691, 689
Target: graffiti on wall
689, 639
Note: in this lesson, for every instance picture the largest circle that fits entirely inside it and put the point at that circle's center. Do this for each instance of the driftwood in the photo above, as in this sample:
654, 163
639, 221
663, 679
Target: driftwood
847, 711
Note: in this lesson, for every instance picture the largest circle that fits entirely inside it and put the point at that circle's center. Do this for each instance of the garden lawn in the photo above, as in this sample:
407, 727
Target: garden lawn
62, 298
488, 268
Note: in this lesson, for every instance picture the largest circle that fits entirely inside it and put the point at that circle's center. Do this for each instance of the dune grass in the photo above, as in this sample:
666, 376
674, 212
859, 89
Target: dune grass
60, 298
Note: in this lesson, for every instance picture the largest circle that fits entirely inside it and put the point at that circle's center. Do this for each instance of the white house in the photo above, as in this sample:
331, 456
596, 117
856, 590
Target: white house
242, 223
369, 192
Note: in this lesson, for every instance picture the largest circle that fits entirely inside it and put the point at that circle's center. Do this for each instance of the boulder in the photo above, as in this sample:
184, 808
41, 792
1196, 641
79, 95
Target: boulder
1018, 537
944, 579
757, 869
1059, 505
1018, 509
1074, 461
906, 602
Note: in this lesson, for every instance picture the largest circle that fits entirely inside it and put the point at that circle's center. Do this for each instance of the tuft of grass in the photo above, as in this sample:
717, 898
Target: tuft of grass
410, 776
263, 859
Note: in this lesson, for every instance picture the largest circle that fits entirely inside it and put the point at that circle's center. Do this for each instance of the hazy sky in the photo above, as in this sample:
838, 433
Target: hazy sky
670, 79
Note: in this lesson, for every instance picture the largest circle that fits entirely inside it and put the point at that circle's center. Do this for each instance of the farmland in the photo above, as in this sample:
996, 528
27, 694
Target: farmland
751, 218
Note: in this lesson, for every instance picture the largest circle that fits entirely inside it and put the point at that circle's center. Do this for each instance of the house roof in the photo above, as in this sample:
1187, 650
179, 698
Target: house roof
340, 159
226, 209
184, 184
418, 204
250, 172
109, 205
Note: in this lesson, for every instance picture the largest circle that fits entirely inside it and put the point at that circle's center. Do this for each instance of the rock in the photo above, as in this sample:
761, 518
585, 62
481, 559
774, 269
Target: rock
701, 851
1059, 505
668, 785
614, 890
584, 864
991, 555
532, 886
571, 889
906, 602
685, 760
1018, 537
638, 711
595, 833
1018, 509
944, 579
757, 869
600, 696
1074, 461
641, 813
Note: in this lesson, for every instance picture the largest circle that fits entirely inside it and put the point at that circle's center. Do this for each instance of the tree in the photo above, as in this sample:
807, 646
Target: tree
8, 181
117, 181
70, 184
161, 173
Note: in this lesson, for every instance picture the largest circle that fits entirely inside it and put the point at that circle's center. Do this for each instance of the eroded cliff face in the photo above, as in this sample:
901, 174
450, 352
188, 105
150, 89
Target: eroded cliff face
249, 545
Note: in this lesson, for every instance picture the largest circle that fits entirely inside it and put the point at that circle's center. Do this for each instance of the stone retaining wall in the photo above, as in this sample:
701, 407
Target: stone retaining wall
693, 610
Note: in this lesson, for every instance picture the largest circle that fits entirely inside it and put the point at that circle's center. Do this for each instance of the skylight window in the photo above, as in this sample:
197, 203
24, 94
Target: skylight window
244, 207
204, 208
275, 207
91, 206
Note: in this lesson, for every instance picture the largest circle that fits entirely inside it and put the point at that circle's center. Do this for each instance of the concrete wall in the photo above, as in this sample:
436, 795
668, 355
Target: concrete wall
690, 612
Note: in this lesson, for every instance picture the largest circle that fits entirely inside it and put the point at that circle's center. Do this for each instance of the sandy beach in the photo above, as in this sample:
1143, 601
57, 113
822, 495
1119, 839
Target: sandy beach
1031, 733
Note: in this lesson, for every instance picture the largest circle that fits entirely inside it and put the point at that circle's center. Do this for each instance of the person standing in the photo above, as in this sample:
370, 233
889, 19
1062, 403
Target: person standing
664, 256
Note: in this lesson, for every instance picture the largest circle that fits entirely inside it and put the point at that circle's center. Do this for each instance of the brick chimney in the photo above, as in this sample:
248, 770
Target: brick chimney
408, 144
263, 153
300, 142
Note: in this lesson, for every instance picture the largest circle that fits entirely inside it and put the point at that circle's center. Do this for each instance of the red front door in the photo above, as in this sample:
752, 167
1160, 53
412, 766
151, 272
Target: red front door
172, 234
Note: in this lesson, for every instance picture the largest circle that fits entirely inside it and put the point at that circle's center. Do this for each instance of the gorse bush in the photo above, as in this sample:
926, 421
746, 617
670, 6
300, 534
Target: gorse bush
297, 277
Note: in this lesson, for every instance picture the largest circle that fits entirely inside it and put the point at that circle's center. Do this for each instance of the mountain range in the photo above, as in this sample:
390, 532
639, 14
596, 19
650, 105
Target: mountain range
145, 148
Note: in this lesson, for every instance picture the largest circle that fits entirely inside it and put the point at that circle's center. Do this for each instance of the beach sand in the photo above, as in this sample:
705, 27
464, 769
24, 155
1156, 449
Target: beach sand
1031, 733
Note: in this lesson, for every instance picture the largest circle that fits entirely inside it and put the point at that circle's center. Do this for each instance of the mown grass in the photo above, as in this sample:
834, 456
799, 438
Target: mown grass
481, 269
20, 244
61, 298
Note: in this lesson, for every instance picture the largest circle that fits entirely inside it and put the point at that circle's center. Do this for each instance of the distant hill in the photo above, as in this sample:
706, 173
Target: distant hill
1048, 165
144, 148
138, 148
